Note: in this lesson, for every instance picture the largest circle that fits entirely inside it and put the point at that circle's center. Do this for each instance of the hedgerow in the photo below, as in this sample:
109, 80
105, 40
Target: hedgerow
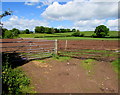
13, 80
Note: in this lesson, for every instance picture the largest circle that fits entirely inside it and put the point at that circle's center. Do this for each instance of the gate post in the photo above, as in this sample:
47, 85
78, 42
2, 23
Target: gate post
66, 42
56, 46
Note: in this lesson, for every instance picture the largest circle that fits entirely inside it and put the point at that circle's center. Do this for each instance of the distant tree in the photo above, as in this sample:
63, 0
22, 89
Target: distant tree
101, 31
39, 29
50, 31
76, 34
73, 30
3, 32
15, 31
1, 24
68, 30
62, 30
27, 31
8, 34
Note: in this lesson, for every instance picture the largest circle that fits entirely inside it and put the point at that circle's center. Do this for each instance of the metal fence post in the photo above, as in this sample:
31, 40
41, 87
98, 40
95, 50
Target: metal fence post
56, 46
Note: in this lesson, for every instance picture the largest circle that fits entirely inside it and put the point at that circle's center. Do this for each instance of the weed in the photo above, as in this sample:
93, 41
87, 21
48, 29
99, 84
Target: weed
13, 80
41, 61
61, 58
116, 65
88, 64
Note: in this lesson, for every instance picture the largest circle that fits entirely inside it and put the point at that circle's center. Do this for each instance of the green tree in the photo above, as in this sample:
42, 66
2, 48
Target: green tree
27, 31
73, 30
39, 29
76, 34
15, 32
8, 34
3, 32
101, 31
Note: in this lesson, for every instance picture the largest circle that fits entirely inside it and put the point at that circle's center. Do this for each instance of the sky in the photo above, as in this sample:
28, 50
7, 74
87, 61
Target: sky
84, 15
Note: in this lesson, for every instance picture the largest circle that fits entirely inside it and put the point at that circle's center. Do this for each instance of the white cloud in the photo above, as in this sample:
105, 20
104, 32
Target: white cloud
22, 23
81, 10
104, 0
89, 22
85, 14
85, 25
13, 18
31, 2
112, 23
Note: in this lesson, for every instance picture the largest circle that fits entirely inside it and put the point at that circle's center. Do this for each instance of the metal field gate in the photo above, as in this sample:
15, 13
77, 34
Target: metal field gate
29, 48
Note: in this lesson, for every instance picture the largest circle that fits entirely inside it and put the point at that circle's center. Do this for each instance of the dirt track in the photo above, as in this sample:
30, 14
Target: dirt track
54, 76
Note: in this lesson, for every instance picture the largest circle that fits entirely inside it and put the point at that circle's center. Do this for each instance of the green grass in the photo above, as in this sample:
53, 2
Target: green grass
36, 55
111, 33
91, 53
116, 65
78, 38
61, 58
42, 61
63, 36
36, 35
28, 89
88, 64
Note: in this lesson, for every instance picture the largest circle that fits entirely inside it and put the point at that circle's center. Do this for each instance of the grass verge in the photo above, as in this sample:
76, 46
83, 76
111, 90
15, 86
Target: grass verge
116, 65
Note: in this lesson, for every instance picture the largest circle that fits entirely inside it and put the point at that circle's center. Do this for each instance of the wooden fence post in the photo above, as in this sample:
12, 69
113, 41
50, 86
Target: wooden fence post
66, 44
56, 46
30, 46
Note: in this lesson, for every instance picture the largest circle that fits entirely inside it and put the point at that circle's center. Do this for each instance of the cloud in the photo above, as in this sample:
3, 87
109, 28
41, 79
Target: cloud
31, 2
22, 23
85, 25
89, 22
112, 23
85, 14
104, 0
13, 18
81, 11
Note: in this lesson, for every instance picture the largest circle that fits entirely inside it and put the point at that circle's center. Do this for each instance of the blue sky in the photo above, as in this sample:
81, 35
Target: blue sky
84, 15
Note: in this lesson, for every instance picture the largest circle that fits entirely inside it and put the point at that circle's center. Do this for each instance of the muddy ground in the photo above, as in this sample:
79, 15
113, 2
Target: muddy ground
55, 76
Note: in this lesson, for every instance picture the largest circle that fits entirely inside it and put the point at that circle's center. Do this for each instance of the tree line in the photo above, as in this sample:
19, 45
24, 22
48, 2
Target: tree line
100, 31
13, 33
48, 30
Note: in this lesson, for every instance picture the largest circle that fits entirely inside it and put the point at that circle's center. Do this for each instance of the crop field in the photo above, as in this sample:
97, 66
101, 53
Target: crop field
79, 64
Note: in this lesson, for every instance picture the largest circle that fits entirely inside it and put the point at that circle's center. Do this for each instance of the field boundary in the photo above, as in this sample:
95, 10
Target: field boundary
29, 48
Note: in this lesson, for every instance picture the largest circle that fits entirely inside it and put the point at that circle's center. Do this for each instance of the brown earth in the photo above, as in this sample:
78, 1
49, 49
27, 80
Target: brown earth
55, 76
88, 44
71, 44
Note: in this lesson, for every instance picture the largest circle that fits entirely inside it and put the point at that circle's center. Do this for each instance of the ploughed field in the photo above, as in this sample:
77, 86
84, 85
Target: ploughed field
88, 44
31, 44
26, 45
92, 74
106, 50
